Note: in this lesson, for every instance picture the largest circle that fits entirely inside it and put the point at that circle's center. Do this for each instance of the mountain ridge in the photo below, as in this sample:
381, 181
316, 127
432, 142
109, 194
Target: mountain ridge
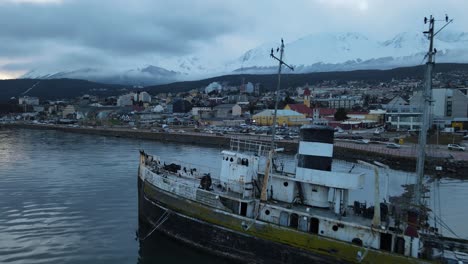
50, 89
311, 53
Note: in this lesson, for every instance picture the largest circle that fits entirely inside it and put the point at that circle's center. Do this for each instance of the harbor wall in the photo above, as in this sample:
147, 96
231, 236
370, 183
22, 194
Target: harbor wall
451, 168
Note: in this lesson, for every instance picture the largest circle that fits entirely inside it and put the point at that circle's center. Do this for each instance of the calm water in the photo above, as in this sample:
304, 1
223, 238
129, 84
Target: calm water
71, 198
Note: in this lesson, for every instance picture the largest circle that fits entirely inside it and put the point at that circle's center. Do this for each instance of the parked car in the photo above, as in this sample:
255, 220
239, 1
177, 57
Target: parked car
455, 147
393, 145
362, 141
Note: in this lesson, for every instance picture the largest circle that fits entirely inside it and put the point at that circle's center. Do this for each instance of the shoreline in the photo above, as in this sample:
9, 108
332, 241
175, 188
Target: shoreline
452, 168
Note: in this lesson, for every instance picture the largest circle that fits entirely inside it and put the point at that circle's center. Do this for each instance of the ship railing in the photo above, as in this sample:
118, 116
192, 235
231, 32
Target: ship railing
260, 148
197, 171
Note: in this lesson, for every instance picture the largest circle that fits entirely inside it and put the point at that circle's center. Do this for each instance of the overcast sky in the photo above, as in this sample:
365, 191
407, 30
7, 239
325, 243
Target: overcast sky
133, 33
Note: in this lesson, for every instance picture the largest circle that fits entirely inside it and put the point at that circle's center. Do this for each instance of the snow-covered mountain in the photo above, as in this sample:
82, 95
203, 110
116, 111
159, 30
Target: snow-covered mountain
351, 51
148, 75
313, 53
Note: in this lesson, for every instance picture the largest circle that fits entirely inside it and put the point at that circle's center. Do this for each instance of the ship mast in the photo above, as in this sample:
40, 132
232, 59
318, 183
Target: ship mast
281, 63
263, 194
427, 100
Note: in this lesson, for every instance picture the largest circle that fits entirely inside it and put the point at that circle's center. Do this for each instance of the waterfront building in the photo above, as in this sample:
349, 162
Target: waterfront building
227, 110
284, 118
69, 110
447, 105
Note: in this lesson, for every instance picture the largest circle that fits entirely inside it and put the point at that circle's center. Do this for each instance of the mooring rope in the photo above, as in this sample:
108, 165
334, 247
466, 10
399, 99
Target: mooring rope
158, 223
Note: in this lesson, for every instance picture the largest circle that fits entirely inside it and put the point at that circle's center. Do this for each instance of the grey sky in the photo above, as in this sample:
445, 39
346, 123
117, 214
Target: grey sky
126, 34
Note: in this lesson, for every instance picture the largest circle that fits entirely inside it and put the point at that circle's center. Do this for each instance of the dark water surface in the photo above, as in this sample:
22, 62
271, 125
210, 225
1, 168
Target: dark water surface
72, 198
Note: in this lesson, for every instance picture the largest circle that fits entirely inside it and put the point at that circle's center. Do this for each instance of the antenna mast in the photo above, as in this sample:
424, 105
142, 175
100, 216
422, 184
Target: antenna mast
427, 100
281, 63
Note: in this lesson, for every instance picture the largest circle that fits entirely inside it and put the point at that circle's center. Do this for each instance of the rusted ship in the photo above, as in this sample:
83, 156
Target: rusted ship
254, 211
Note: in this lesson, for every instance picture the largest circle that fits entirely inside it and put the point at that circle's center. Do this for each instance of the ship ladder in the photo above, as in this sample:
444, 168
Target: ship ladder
158, 223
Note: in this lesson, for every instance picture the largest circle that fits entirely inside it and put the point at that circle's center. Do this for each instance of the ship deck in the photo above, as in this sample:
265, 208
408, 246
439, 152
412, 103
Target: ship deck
193, 181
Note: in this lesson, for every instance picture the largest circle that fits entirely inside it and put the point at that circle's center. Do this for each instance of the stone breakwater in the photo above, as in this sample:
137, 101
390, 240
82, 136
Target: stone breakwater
451, 168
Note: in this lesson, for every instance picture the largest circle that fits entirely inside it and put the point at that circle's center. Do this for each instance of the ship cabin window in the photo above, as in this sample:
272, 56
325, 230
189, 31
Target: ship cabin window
245, 162
314, 225
285, 184
294, 220
231, 160
267, 212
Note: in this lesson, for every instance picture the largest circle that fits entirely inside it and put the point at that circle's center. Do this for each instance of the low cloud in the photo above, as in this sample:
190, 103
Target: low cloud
120, 33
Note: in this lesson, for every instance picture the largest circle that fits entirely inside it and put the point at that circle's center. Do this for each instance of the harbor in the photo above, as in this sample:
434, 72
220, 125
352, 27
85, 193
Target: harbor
85, 209
454, 162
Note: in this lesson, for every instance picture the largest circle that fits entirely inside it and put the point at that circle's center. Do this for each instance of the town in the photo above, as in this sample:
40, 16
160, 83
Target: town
248, 108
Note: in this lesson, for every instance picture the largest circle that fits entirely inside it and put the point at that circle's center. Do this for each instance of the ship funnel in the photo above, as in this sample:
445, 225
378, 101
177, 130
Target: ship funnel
315, 147
315, 155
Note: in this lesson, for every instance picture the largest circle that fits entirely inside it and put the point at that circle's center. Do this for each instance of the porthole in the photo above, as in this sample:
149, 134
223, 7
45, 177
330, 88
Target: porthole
267, 212
285, 184
335, 228
357, 241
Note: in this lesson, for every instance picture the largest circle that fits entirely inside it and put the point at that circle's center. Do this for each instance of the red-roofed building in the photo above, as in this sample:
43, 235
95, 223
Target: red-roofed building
300, 108
324, 112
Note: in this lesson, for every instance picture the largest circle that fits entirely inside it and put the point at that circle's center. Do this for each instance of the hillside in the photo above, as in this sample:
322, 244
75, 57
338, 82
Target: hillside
54, 88
269, 81
70, 88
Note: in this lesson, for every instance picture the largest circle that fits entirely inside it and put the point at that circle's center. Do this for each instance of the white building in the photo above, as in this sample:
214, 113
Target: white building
447, 104
143, 97
249, 88
227, 110
68, 110
26, 100
126, 99
158, 109
214, 86
197, 109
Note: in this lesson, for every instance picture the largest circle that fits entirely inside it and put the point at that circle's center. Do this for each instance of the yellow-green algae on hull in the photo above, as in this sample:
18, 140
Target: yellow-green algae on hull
315, 244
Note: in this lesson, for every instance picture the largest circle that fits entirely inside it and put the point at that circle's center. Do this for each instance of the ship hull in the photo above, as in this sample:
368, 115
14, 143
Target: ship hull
221, 233
216, 239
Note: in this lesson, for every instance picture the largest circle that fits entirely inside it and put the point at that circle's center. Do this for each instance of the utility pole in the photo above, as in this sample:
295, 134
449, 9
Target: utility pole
427, 100
281, 63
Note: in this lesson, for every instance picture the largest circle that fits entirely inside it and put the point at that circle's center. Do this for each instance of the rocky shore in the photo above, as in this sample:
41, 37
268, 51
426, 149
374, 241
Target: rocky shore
451, 168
